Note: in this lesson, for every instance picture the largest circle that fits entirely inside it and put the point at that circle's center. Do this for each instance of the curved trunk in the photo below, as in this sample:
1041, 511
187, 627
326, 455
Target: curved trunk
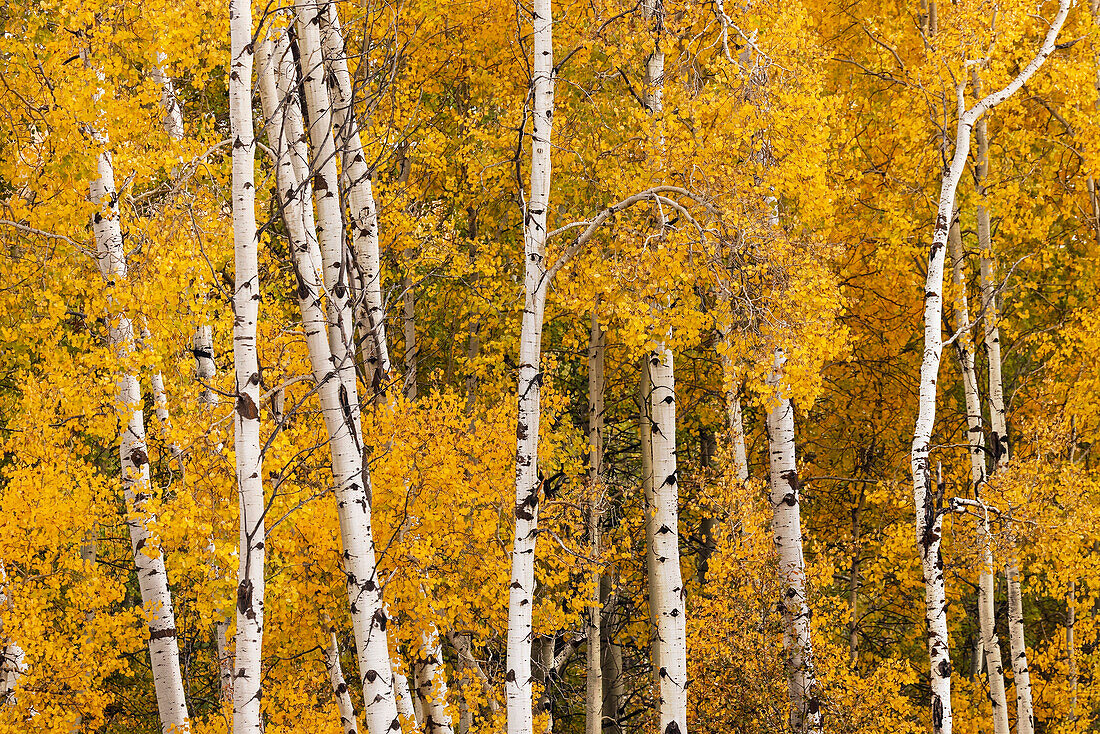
787, 536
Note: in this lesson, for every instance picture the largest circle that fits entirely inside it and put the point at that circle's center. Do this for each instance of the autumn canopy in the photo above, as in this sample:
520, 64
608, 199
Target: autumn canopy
608, 367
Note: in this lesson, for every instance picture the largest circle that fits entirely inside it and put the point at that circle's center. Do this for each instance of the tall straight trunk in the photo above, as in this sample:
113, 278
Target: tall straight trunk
731, 387
156, 598
344, 705
408, 323
671, 621
202, 346
247, 683
787, 537
1071, 647
339, 407
355, 183
991, 646
614, 689
929, 519
645, 435
326, 199
853, 581
999, 436
517, 680
594, 664
406, 704
431, 685
1025, 711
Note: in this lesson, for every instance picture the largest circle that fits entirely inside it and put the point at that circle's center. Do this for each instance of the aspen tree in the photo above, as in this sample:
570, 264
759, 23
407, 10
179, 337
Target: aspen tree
156, 598
247, 683
344, 705
345, 447
593, 710
787, 537
990, 645
928, 505
521, 589
431, 686
355, 182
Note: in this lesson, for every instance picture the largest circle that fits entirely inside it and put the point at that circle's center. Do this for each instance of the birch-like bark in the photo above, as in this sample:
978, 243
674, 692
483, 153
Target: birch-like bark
12, 666
326, 199
787, 537
671, 620
156, 600
928, 524
999, 437
340, 409
406, 710
1025, 710
645, 433
344, 705
431, 685
594, 664
247, 683
994, 669
355, 182
517, 680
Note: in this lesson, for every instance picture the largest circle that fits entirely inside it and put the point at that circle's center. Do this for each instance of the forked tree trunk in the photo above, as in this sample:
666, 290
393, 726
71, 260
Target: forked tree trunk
339, 405
247, 684
521, 588
787, 537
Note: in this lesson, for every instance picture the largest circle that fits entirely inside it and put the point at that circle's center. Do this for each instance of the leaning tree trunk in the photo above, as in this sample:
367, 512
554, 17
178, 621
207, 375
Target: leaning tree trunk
247, 684
929, 520
355, 183
339, 405
671, 621
787, 537
593, 709
976, 450
156, 599
517, 680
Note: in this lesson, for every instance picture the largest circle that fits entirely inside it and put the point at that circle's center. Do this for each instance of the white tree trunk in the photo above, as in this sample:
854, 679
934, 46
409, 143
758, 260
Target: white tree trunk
356, 185
614, 690
326, 199
645, 435
1025, 710
594, 663
517, 681
344, 705
11, 654
339, 407
787, 537
994, 668
156, 599
928, 505
431, 685
247, 684
671, 621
